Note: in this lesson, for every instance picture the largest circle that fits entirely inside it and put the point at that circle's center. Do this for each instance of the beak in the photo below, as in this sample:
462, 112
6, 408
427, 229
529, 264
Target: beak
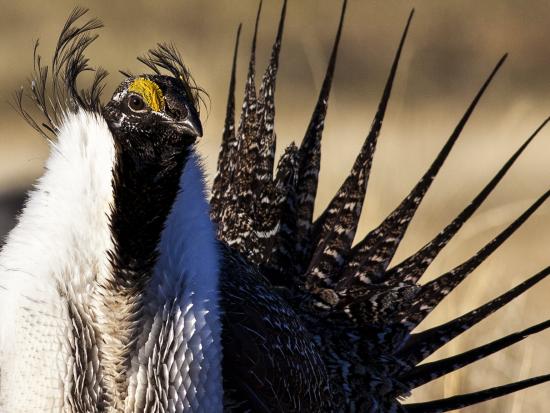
189, 126
190, 123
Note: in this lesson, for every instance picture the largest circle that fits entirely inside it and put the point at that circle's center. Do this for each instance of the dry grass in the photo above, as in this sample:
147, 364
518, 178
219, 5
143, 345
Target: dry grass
453, 44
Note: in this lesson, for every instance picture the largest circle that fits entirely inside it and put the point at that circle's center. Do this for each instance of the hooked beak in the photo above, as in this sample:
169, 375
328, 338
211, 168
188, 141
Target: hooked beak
185, 118
189, 126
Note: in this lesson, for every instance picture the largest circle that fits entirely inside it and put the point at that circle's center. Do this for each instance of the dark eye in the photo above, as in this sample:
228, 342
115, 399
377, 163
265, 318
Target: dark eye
136, 103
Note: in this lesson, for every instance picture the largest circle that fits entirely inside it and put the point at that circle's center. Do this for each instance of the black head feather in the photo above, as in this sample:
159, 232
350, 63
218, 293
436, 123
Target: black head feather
153, 115
59, 94
165, 57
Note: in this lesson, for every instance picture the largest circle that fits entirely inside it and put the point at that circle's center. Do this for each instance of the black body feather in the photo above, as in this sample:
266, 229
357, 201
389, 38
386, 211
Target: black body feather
359, 312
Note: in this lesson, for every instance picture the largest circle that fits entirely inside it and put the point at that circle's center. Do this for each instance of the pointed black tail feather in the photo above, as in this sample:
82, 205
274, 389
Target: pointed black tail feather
430, 371
465, 400
310, 162
413, 267
432, 293
266, 112
229, 144
335, 229
421, 345
376, 250
263, 207
236, 209
248, 125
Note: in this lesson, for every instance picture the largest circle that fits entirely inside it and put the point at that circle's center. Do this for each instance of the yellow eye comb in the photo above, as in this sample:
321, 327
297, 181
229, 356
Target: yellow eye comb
150, 92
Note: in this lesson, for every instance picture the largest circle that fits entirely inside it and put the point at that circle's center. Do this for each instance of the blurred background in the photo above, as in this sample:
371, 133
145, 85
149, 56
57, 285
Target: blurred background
452, 46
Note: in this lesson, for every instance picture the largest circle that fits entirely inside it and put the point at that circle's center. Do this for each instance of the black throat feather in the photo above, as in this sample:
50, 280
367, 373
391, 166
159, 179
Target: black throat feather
144, 191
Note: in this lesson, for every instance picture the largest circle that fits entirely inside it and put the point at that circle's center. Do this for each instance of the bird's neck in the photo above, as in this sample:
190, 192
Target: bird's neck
182, 320
164, 285
143, 195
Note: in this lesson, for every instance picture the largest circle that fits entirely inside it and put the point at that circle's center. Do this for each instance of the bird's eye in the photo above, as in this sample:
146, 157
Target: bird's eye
136, 103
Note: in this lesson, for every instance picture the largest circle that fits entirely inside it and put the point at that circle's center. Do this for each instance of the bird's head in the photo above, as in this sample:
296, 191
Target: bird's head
152, 114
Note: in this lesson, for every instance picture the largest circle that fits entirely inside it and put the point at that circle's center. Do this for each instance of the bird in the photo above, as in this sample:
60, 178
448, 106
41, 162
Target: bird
124, 288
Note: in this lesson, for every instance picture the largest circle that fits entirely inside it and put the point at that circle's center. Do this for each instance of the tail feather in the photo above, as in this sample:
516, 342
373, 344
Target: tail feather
376, 250
465, 400
263, 206
248, 126
250, 216
427, 372
421, 345
228, 148
266, 112
432, 293
412, 268
310, 162
360, 312
335, 229
232, 213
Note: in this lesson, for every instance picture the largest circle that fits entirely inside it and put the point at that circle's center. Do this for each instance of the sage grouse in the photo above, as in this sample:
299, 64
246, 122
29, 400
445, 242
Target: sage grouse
117, 293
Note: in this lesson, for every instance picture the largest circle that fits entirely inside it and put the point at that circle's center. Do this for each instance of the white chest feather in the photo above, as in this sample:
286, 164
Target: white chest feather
52, 257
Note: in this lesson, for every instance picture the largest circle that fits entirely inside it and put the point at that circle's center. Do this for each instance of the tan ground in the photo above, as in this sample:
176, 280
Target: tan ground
452, 46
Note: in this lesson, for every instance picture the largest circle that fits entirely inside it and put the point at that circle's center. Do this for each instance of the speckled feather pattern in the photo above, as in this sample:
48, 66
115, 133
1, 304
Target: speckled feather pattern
359, 313
105, 307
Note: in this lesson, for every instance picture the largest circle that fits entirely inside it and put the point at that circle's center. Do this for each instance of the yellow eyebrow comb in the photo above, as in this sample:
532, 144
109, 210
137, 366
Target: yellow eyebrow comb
149, 91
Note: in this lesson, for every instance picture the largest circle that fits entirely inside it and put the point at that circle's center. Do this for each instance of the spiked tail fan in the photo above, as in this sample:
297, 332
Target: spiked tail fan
335, 229
360, 312
377, 249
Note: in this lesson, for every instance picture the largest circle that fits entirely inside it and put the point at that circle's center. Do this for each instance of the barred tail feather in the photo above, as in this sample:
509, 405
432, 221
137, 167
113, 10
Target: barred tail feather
413, 267
309, 158
421, 345
228, 146
377, 249
427, 372
222, 181
335, 229
432, 293
266, 112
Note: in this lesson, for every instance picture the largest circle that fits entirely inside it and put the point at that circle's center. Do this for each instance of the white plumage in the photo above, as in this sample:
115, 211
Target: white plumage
54, 255
54, 264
